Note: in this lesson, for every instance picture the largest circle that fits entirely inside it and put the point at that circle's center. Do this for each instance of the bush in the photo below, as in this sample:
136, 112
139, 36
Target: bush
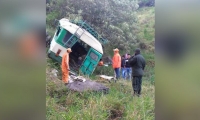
50, 18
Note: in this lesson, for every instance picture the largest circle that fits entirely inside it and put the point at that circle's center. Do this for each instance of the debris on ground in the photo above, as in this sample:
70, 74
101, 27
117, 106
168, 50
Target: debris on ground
104, 77
76, 83
78, 78
54, 72
81, 84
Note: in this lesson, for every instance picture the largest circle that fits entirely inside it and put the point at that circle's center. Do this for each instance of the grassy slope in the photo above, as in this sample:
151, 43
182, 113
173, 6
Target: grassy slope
64, 105
146, 20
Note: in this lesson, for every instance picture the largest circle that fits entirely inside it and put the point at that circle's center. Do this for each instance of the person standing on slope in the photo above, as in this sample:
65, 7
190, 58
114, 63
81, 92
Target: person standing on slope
116, 63
65, 66
138, 64
123, 67
128, 67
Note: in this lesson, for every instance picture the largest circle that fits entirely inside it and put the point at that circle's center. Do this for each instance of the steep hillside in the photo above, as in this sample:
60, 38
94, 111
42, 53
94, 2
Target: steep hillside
63, 104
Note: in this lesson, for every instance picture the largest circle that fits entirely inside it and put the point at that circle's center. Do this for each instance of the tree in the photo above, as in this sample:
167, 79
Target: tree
113, 19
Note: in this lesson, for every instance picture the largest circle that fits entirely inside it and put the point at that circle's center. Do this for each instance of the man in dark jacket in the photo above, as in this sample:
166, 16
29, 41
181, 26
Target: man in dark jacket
137, 63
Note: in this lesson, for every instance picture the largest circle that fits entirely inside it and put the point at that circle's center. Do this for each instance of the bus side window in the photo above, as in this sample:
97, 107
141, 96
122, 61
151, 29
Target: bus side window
58, 31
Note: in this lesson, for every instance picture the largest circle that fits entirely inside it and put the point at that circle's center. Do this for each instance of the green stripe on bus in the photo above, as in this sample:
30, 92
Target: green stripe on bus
54, 57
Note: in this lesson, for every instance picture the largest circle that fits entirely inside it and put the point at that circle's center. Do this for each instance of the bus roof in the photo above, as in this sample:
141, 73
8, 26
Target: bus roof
84, 35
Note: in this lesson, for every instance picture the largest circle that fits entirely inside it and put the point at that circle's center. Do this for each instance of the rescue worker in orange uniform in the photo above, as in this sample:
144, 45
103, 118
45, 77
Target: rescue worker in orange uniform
65, 66
116, 62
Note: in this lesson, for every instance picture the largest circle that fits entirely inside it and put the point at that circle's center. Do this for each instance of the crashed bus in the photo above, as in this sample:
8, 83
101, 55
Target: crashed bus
85, 42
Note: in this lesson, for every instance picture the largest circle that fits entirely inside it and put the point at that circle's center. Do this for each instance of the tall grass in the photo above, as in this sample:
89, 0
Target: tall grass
63, 104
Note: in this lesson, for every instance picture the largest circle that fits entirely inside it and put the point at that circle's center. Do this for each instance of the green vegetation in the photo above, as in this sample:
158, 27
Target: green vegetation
119, 103
146, 22
113, 19
127, 27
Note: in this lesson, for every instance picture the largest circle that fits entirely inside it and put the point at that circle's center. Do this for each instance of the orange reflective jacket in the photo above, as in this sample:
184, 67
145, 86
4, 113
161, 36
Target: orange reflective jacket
65, 67
116, 61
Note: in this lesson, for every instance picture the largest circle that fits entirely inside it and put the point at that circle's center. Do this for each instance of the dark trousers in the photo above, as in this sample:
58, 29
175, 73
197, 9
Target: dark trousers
117, 72
137, 84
